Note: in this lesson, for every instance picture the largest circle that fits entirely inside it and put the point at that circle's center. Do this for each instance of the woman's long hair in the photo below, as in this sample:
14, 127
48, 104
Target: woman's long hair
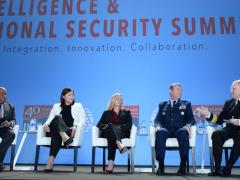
64, 92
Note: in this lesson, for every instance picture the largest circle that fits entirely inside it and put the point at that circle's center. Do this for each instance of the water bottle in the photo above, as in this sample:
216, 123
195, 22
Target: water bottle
32, 125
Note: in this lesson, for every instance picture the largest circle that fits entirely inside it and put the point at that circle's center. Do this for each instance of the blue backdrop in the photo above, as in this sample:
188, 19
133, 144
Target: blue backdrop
196, 44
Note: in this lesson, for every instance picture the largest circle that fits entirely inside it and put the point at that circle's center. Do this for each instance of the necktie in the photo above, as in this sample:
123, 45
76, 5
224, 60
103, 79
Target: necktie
174, 103
236, 102
1, 111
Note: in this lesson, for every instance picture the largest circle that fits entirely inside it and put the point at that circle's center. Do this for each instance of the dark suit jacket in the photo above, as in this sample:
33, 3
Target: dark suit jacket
173, 118
9, 114
125, 123
229, 111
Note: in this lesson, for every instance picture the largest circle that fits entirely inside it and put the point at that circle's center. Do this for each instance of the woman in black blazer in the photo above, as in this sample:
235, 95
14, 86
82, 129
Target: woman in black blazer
115, 124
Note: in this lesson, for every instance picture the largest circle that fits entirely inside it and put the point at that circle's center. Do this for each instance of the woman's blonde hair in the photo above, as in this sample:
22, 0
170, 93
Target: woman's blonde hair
113, 100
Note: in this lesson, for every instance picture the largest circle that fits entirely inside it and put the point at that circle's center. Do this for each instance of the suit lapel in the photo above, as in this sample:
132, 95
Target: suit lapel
232, 105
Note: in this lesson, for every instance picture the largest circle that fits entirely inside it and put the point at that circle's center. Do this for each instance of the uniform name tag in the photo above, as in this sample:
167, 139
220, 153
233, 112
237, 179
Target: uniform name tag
182, 107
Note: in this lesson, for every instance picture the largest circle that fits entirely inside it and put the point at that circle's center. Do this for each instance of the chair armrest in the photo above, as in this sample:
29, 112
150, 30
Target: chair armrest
95, 135
210, 131
78, 138
40, 133
152, 136
133, 135
15, 130
193, 136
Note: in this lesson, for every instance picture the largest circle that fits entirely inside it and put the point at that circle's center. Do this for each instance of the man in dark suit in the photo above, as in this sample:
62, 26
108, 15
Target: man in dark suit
7, 122
231, 115
174, 120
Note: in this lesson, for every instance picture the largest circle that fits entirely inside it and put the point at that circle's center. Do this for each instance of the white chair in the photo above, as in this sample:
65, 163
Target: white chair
226, 146
13, 145
102, 143
172, 144
43, 140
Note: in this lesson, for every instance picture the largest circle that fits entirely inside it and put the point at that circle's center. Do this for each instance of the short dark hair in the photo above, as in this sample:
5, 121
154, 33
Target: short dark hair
174, 84
64, 92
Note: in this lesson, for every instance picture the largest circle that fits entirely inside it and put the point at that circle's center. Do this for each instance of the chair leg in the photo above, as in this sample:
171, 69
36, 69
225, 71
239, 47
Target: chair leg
75, 159
36, 157
93, 159
12, 157
132, 159
104, 158
128, 166
193, 161
211, 158
226, 155
153, 160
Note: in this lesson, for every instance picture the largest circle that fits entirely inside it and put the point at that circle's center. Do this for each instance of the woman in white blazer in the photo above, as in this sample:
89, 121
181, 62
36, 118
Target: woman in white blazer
61, 124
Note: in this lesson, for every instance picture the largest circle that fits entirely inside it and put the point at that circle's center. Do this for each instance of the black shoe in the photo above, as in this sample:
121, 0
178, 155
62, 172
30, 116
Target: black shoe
160, 171
108, 172
225, 172
68, 142
48, 170
123, 150
215, 172
181, 172
1, 168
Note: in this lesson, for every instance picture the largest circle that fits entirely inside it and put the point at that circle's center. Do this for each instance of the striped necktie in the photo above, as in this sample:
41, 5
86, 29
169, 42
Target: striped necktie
236, 103
1, 111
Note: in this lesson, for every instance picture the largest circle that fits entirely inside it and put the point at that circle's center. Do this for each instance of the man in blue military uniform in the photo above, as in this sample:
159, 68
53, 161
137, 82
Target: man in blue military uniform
174, 120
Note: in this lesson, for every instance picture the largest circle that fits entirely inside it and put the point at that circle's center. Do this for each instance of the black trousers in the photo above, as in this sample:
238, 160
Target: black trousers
218, 139
7, 136
56, 126
113, 133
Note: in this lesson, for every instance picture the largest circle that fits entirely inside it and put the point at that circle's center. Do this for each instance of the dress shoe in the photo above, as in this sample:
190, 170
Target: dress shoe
160, 171
1, 168
68, 142
109, 171
215, 172
181, 172
123, 150
225, 172
48, 170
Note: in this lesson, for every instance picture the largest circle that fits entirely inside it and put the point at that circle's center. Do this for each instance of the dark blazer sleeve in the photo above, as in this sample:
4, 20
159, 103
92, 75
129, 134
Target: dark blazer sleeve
189, 115
127, 122
103, 120
218, 119
158, 118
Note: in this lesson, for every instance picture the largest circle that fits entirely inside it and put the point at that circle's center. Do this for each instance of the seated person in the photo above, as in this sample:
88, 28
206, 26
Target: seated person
173, 120
61, 124
230, 114
7, 122
115, 124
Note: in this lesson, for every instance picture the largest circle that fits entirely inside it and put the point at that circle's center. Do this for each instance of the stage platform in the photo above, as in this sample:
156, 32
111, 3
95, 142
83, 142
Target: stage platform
83, 173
